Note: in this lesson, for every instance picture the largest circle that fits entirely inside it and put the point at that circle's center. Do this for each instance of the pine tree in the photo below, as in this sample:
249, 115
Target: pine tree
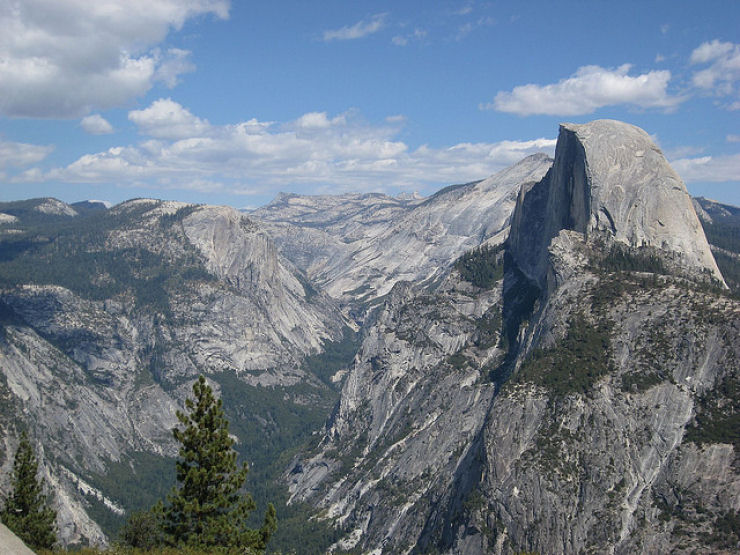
207, 508
27, 512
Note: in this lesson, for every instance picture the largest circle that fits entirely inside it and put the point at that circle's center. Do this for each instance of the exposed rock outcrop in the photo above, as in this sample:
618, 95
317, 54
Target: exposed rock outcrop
609, 180
586, 401
358, 249
578, 416
155, 294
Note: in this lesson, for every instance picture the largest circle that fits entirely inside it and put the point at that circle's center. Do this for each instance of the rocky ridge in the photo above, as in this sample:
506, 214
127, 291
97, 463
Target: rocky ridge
357, 248
126, 310
573, 406
580, 400
610, 180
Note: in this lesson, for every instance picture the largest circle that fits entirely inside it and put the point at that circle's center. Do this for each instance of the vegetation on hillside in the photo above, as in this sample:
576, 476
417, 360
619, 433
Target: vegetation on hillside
717, 417
574, 364
27, 511
723, 233
74, 252
482, 267
208, 508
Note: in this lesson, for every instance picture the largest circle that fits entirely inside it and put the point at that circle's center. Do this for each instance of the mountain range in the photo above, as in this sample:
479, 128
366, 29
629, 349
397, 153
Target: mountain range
545, 360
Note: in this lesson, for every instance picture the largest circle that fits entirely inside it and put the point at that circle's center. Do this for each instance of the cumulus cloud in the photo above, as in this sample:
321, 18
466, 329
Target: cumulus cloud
19, 155
710, 51
95, 124
590, 88
171, 65
318, 120
166, 119
344, 152
716, 169
723, 71
359, 30
64, 58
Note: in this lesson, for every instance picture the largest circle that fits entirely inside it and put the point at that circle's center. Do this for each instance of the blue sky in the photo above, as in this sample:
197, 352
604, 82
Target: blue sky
229, 102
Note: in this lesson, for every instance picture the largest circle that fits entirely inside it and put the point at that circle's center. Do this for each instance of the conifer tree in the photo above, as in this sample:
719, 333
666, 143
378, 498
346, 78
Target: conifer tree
207, 508
27, 512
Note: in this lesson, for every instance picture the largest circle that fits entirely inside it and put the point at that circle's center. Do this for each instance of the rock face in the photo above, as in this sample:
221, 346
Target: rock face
11, 544
106, 327
572, 407
572, 389
358, 248
610, 180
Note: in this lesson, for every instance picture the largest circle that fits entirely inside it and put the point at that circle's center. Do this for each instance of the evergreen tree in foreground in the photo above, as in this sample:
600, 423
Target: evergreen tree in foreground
27, 512
207, 508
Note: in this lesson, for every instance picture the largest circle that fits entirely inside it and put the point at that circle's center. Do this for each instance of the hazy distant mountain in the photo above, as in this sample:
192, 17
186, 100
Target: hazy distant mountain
356, 247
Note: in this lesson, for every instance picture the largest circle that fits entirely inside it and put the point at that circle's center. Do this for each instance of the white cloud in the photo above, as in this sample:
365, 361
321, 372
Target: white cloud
64, 58
182, 151
19, 155
95, 124
166, 119
466, 28
709, 51
716, 169
403, 40
317, 120
681, 151
174, 63
723, 71
733, 138
590, 88
358, 30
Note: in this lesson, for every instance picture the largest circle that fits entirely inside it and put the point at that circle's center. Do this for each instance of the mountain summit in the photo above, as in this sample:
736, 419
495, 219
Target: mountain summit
609, 180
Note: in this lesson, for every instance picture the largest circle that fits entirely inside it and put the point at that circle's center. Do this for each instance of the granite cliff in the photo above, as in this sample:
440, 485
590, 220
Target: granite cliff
357, 248
585, 402
609, 180
106, 321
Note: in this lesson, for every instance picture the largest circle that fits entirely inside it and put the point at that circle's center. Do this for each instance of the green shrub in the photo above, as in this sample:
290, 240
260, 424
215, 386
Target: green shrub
482, 267
574, 364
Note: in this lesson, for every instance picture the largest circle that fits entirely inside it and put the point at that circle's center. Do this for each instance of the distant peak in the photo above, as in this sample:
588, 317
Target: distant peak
55, 207
409, 196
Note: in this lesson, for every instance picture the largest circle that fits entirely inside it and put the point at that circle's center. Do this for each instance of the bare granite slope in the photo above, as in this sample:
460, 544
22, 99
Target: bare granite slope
107, 326
584, 403
609, 180
357, 248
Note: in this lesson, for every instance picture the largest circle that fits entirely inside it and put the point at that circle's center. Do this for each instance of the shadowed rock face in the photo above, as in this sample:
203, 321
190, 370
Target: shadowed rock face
610, 180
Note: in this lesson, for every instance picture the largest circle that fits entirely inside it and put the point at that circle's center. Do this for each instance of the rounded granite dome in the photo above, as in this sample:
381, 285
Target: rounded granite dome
610, 178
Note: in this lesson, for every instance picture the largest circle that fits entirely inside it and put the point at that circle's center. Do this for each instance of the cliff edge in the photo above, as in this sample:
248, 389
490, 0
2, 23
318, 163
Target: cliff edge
610, 181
